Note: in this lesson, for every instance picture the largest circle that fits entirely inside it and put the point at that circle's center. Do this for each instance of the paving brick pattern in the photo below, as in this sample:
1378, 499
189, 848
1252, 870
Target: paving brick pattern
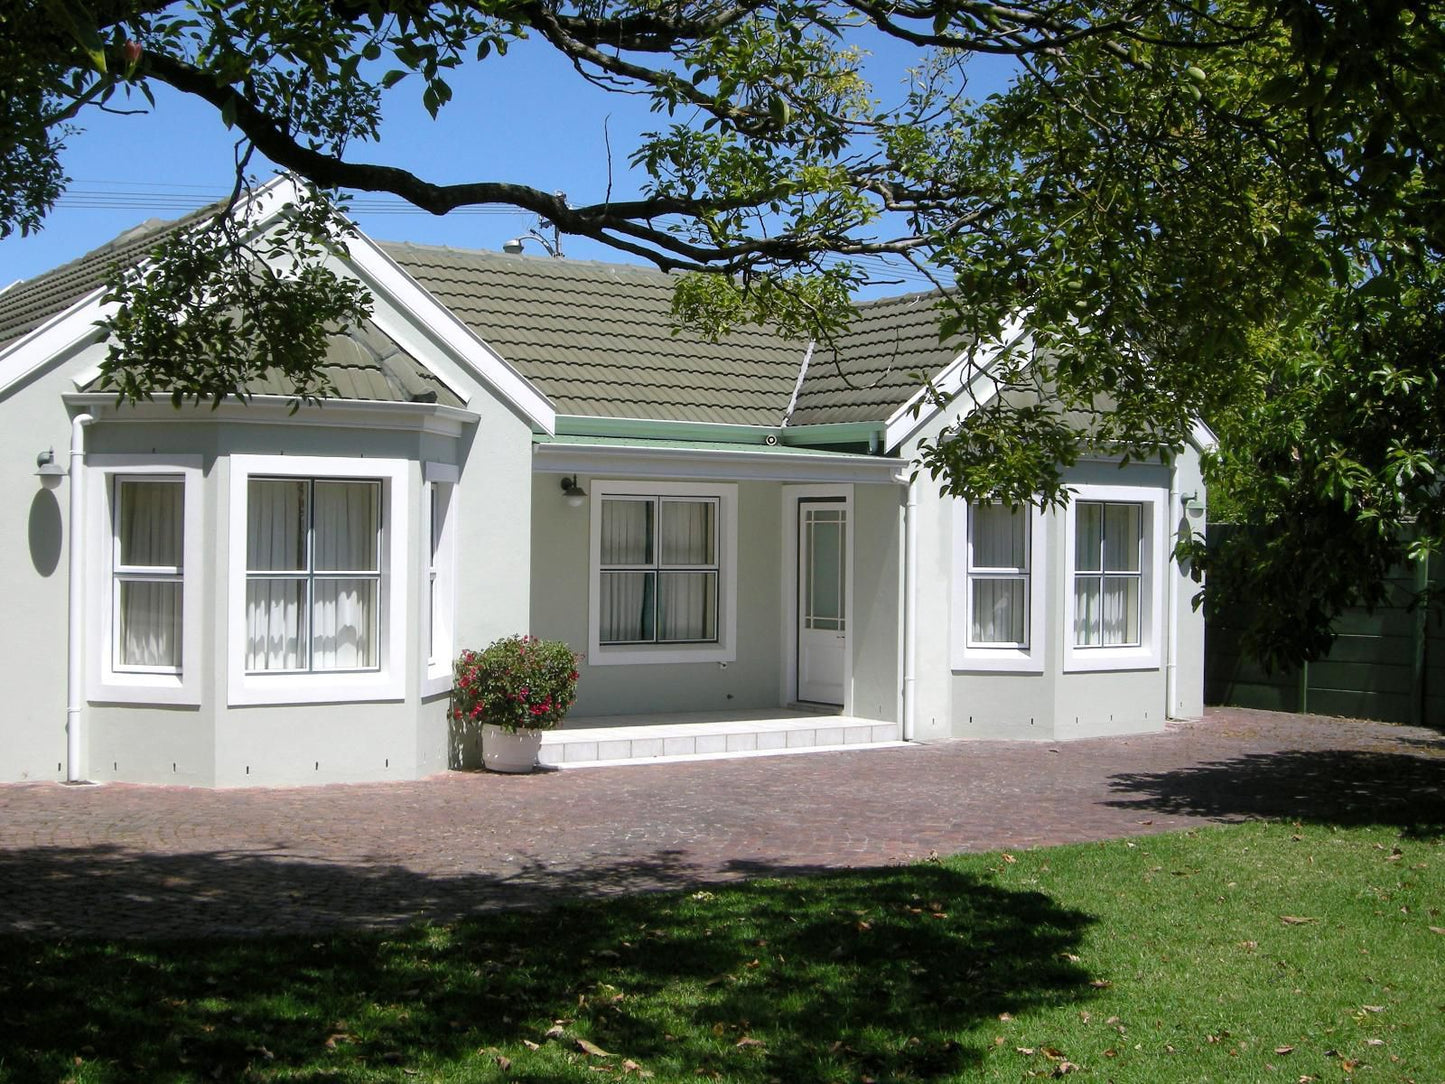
122, 860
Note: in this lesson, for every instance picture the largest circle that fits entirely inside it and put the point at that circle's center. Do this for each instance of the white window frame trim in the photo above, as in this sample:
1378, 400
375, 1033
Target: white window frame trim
725, 649
1028, 659
437, 677
105, 684
388, 681
1153, 567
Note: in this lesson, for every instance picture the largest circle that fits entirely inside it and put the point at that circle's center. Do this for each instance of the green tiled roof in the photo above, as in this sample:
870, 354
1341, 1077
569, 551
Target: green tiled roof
26, 305
877, 364
597, 339
362, 364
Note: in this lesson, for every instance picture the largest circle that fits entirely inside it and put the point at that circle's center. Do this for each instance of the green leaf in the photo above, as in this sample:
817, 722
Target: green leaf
80, 24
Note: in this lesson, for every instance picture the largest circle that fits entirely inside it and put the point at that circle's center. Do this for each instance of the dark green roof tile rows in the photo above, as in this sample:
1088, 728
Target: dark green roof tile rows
597, 339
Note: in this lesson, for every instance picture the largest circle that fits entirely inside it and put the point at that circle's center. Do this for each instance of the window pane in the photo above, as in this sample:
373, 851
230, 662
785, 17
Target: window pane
1087, 591
627, 532
688, 533
687, 606
1088, 535
999, 540
998, 611
150, 523
626, 607
825, 570
346, 516
343, 624
1121, 537
149, 633
275, 609
1119, 611
276, 518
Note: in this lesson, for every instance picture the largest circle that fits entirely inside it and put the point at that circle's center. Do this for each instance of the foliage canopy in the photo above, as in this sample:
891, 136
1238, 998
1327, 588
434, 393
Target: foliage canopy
1227, 209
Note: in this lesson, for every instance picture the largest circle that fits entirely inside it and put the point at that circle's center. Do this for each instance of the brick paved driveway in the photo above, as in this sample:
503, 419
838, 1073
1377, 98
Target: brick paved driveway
124, 860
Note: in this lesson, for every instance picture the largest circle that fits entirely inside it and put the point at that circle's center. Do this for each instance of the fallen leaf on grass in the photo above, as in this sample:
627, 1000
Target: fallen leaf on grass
1373, 1008
745, 1041
530, 1045
1065, 1067
592, 1048
556, 1031
1296, 920
503, 1062
1101, 984
1010, 859
1026, 1051
1374, 1042
1437, 929
1284, 1050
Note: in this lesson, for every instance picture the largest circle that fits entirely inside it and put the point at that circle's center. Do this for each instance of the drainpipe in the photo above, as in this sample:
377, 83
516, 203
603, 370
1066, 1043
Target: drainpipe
75, 671
910, 610
1171, 608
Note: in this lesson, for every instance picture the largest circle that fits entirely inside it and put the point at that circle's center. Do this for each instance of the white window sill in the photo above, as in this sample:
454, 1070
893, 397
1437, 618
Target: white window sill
315, 688
436, 681
123, 688
1001, 659
633, 655
1086, 659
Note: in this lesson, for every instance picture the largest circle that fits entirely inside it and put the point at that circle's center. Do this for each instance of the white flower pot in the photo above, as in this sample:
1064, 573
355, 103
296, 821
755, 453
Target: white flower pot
509, 750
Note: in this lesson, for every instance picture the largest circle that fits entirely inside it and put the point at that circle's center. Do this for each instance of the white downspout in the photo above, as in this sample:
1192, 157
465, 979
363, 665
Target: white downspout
1171, 606
910, 611
75, 628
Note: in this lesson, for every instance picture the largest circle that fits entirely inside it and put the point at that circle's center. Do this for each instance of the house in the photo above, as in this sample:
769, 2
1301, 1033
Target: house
248, 596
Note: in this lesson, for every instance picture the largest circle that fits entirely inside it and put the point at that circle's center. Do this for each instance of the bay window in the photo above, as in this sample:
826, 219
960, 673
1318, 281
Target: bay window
1115, 547
144, 518
318, 579
998, 596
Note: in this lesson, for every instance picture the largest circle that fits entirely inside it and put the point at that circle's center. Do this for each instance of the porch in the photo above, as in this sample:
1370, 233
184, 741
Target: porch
669, 737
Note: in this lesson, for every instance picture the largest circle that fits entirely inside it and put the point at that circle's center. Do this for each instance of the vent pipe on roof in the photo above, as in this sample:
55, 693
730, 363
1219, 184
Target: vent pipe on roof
798, 385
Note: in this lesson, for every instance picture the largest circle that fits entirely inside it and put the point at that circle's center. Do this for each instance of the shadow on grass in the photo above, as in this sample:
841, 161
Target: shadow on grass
1342, 787
849, 975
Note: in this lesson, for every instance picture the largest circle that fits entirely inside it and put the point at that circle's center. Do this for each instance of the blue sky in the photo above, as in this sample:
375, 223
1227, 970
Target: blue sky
525, 117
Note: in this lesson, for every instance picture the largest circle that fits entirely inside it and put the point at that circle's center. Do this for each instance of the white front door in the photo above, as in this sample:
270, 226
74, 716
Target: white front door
822, 599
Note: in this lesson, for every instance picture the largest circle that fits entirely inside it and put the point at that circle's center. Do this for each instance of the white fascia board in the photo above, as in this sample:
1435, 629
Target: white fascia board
58, 335
1202, 437
277, 409
383, 274
711, 463
917, 412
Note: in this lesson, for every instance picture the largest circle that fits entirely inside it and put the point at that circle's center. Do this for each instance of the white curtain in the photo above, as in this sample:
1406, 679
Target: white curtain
999, 539
626, 607
687, 606
1107, 540
626, 532
148, 632
998, 611
687, 533
340, 623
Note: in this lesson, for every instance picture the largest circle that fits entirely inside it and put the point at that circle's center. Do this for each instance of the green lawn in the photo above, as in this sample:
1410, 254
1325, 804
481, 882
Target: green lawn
1260, 952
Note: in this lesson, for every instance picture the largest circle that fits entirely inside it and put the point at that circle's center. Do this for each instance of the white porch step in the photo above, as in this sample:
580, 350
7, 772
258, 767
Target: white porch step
595, 744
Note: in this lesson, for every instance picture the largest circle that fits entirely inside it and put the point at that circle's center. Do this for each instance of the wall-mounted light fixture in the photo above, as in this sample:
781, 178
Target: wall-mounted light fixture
1193, 503
48, 470
575, 494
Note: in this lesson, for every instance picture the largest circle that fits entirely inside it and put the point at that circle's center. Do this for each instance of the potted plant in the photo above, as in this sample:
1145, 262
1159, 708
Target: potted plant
515, 689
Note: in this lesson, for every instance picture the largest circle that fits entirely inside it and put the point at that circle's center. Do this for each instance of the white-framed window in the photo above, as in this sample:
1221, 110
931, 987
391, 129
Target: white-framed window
317, 579
663, 572
145, 519
439, 552
998, 587
1116, 568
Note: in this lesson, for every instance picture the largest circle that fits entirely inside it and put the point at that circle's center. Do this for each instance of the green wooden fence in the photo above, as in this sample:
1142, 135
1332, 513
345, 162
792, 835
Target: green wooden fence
1387, 664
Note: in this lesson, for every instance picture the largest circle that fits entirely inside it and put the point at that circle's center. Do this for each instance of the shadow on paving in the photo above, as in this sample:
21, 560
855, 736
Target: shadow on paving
847, 975
1342, 787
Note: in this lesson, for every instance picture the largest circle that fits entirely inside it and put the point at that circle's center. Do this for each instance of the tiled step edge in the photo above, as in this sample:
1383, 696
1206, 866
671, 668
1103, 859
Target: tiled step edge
742, 754
567, 748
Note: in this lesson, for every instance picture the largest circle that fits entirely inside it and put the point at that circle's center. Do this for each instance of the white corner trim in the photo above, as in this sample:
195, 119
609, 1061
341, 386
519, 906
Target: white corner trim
725, 649
966, 657
916, 412
382, 273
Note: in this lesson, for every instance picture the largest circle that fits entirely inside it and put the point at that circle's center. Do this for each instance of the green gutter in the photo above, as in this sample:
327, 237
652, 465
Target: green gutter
718, 432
